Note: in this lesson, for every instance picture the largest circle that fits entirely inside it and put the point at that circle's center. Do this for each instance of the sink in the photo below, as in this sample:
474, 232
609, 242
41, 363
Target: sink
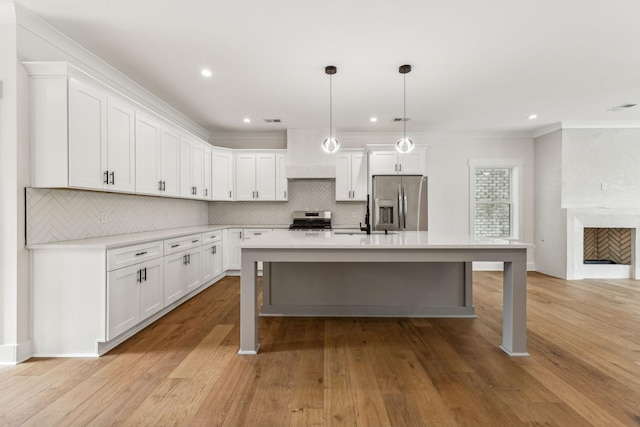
362, 232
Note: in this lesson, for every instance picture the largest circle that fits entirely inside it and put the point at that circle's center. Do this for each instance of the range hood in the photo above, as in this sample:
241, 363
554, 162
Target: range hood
305, 157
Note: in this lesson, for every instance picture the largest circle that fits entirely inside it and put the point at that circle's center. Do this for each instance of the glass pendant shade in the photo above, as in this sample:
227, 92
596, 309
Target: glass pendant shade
404, 145
330, 145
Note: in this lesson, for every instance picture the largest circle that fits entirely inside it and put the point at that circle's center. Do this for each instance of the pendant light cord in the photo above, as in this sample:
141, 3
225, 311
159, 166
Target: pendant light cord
330, 106
404, 108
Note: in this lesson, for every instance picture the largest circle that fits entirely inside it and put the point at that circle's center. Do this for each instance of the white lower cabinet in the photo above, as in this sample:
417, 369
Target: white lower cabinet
233, 248
181, 274
133, 294
211, 261
87, 300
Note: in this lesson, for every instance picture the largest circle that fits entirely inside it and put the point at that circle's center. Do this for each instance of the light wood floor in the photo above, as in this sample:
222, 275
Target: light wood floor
584, 369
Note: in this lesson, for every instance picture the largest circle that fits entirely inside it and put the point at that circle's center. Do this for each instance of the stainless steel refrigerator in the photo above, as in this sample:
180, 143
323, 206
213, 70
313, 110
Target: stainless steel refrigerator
400, 202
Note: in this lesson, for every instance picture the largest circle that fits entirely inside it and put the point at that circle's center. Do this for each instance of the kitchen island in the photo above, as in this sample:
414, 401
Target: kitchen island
402, 248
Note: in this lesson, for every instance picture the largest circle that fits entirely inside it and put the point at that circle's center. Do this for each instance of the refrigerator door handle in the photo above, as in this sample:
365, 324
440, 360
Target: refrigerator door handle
404, 206
400, 208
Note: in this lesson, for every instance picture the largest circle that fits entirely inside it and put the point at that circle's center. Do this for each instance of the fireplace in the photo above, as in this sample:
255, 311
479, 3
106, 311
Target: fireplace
606, 246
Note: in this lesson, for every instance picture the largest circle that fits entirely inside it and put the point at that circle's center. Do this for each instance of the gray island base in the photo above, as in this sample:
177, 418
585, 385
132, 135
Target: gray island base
404, 274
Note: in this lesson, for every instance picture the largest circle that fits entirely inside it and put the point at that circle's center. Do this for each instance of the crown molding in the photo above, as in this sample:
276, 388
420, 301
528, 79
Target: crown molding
596, 124
100, 70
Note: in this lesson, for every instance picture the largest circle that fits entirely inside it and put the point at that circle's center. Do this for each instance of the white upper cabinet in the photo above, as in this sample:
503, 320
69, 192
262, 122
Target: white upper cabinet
191, 168
206, 173
87, 136
157, 158
222, 175
170, 162
351, 176
255, 176
121, 146
390, 162
282, 185
94, 131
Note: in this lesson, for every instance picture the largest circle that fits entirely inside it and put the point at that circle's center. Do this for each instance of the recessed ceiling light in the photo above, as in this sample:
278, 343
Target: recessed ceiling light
206, 72
247, 120
373, 119
532, 116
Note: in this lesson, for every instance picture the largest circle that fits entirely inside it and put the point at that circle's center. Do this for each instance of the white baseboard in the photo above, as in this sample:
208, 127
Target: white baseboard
12, 354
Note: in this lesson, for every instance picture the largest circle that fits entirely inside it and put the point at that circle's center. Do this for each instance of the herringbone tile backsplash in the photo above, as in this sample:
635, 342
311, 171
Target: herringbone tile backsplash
304, 194
57, 215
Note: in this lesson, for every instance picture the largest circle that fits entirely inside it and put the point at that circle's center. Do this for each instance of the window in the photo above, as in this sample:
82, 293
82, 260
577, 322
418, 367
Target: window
494, 198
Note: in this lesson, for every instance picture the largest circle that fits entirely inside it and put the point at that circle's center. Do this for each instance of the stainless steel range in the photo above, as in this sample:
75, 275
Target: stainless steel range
311, 220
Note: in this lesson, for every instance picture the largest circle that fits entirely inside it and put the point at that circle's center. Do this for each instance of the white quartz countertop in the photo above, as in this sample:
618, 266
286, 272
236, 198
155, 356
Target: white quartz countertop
120, 240
337, 239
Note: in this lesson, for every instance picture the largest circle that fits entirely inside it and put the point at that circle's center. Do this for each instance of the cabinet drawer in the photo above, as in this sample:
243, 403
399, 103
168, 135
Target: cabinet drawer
254, 232
129, 255
211, 236
181, 243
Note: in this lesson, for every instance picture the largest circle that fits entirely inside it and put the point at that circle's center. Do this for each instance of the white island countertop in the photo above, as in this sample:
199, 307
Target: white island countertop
339, 239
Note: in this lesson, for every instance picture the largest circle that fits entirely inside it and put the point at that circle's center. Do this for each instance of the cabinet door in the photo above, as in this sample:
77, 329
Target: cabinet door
245, 183
169, 162
121, 147
87, 136
206, 185
233, 248
225, 250
186, 187
174, 266
343, 177
193, 270
208, 258
151, 288
413, 163
197, 170
384, 162
282, 185
147, 156
359, 176
222, 175
123, 300
218, 253
265, 176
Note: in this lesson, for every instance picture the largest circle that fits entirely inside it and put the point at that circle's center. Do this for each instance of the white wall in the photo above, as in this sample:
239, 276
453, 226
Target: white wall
592, 157
14, 173
550, 218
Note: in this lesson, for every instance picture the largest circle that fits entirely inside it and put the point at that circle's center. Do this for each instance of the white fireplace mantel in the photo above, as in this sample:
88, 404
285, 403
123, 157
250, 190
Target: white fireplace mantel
578, 220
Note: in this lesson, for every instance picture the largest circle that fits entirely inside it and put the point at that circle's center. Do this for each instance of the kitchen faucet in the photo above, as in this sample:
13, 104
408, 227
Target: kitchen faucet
367, 223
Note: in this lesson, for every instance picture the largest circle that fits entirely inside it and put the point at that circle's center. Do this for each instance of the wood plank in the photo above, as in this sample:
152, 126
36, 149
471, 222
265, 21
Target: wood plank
184, 368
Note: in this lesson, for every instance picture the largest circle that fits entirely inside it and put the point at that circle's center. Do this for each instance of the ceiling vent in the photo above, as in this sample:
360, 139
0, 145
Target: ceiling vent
401, 119
622, 107
272, 120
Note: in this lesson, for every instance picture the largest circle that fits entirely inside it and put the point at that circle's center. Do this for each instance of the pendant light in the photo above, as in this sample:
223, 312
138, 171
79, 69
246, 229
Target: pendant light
331, 144
404, 145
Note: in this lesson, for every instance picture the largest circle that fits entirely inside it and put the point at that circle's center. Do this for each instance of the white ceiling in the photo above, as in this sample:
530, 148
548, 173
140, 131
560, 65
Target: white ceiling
478, 66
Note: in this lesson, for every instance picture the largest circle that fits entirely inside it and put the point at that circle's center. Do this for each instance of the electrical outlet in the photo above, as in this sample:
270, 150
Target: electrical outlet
103, 217
354, 214
603, 186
